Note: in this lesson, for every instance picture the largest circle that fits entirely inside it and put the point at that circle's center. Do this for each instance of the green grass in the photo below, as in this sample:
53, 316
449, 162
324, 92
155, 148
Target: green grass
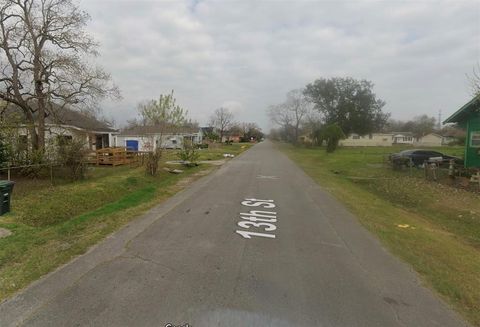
442, 240
53, 224
216, 152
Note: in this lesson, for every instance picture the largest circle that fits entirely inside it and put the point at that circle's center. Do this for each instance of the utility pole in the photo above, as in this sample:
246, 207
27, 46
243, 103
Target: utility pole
439, 123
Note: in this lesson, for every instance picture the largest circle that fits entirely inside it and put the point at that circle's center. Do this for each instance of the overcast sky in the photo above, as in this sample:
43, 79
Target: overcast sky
246, 55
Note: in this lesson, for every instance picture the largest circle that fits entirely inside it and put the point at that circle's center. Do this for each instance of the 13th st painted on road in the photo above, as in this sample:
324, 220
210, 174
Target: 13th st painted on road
258, 219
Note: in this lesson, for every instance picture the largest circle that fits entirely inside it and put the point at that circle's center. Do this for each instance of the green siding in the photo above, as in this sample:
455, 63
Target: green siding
472, 152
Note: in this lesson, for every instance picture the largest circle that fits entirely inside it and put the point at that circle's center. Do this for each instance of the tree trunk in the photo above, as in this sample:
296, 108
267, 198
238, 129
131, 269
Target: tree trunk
33, 136
41, 124
41, 109
30, 126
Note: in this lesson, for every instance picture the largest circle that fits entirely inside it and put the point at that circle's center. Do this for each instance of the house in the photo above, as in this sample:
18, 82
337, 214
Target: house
452, 135
429, 140
405, 138
468, 117
149, 138
374, 139
67, 124
235, 138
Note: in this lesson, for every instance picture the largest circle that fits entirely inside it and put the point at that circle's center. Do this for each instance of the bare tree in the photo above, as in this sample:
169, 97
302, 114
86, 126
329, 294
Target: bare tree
292, 113
45, 62
221, 119
474, 80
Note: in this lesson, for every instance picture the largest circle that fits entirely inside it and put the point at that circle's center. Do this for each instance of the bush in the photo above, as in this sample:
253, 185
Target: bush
72, 155
189, 153
4, 153
35, 161
152, 160
331, 134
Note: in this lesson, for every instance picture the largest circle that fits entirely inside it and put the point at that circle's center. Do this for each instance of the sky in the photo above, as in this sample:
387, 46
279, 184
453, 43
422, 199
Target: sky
246, 55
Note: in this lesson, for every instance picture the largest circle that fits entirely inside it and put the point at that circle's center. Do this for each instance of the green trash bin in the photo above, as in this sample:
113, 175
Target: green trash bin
6, 188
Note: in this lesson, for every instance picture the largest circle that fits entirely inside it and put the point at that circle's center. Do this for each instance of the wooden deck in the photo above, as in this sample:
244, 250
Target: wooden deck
117, 156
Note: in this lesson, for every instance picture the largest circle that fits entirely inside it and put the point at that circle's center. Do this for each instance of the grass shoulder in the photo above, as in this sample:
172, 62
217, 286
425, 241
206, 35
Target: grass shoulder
434, 228
52, 224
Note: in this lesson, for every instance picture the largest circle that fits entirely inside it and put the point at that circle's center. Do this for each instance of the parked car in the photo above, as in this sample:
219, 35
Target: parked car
417, 157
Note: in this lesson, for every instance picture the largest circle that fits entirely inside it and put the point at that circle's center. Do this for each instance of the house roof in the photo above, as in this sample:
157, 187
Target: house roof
402, 133
158, 129
80, 120
456, 132
70, 117
434, 134
207, 129
462, 114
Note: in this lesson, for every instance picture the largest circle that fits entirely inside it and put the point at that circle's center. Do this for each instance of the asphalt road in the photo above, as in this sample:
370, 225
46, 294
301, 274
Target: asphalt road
185, 263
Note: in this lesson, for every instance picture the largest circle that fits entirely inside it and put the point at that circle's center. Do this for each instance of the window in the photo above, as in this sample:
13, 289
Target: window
370, 136
174, 141
355, 137
475, 139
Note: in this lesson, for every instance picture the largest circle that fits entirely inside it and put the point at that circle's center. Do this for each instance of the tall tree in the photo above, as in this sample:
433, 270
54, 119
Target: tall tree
222, 120
419, 125
281, 116
350, 103
45, 61
163, 113
251, 131
292, 113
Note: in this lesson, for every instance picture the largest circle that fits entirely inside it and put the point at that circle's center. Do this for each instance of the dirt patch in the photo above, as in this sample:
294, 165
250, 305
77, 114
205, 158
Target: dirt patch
4, 232
190, 179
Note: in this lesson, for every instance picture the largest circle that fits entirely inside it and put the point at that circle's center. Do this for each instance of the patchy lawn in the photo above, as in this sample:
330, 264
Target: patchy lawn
52, 224
433, 227
216, 152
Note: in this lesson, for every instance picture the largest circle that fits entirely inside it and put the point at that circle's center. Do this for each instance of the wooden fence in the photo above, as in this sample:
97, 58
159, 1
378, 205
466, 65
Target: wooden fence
117, 156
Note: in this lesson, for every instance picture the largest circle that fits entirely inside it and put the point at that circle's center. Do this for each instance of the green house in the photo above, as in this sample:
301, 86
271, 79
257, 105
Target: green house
468, 117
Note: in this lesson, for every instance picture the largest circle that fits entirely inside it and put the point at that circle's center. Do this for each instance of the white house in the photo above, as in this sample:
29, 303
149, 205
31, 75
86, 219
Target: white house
430, 140
406, 138
67, 124
149, 138
374, 139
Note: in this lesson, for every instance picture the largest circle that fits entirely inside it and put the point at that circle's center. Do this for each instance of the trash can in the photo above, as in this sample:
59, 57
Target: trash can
6, 188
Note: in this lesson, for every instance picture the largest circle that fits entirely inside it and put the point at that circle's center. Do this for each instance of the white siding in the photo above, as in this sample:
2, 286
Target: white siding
375, 139
430, 140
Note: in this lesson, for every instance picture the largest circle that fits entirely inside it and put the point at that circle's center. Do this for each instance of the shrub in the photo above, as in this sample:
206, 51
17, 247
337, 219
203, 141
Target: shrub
331, 134
189, 153
152, 161
34, 163
72, 155
4, 153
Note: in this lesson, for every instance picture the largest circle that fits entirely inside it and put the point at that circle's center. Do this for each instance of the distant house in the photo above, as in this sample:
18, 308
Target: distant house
374, 139
67, 124
235, 138
429, 140
149, 138
406, 138
452, 136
